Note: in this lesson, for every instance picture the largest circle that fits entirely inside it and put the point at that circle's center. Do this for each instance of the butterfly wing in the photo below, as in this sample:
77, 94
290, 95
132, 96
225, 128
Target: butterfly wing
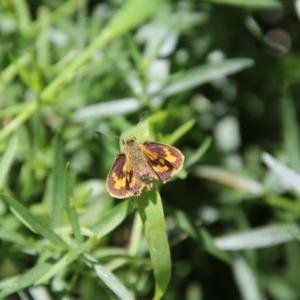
165, 160
121, 181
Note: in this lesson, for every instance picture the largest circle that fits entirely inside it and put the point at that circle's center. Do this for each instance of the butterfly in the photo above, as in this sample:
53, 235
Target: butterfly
139, 165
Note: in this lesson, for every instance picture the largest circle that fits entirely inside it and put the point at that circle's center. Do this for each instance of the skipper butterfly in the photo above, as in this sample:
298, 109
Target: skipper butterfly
139, 165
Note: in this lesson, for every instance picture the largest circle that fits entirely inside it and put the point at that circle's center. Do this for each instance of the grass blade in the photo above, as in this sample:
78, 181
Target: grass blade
7, 159
257, 238
32, 222
65, 261
290, 132
113, 218
71, 211
151, 212
252, 4
287, 176
180, 132
59, 186
198, 153
112, 282
27, 279
204, 74
245, 278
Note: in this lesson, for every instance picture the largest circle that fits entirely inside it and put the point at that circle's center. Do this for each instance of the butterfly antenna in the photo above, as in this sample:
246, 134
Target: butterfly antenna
143, 116
98, 133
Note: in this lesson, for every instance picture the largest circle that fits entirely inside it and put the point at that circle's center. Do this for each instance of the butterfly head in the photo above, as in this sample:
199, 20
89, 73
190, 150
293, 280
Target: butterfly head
129, 142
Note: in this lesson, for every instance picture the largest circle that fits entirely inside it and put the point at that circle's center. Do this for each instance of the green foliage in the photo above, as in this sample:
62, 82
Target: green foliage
217, 78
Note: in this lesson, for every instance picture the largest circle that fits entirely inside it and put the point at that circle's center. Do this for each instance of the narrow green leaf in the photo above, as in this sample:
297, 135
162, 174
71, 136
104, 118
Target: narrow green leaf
283, 203
133, 13
113, 218
290, 132
65, 261
245, 279
29, 220
11, 70
287, 176
27, 279
43, 44
63, 11
59, 186
180, 132
6, 234
201, 236
136, 235
19, 120
140, 131
230, 179
106, 109
252, 4
198, 153
204, 74
112, 282
29, 76
151, 212
7, 159
262, 237
207, 242
71, 211
11, 111
22, 11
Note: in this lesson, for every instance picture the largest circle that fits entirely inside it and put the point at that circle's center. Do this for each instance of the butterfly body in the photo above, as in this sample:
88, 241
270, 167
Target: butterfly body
139, 165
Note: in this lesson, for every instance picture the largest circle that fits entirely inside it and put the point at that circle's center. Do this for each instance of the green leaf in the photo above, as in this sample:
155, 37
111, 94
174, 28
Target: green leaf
7, 234
245, 279
151, 212
201, 236
136, 235
112, 282
71, 211
108, 278
29, 220
27, 279
204, 74
22, 13
7, 159
19, 120
283, 203
180, 132
106, 109
286, 175
113, 218
140, 131
230, 179
198, 153
262, 237
290, 132
62, 263
252, 4
59, 186
133, 13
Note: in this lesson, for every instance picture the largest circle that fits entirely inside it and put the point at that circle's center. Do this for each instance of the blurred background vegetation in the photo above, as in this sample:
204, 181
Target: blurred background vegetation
218, 78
